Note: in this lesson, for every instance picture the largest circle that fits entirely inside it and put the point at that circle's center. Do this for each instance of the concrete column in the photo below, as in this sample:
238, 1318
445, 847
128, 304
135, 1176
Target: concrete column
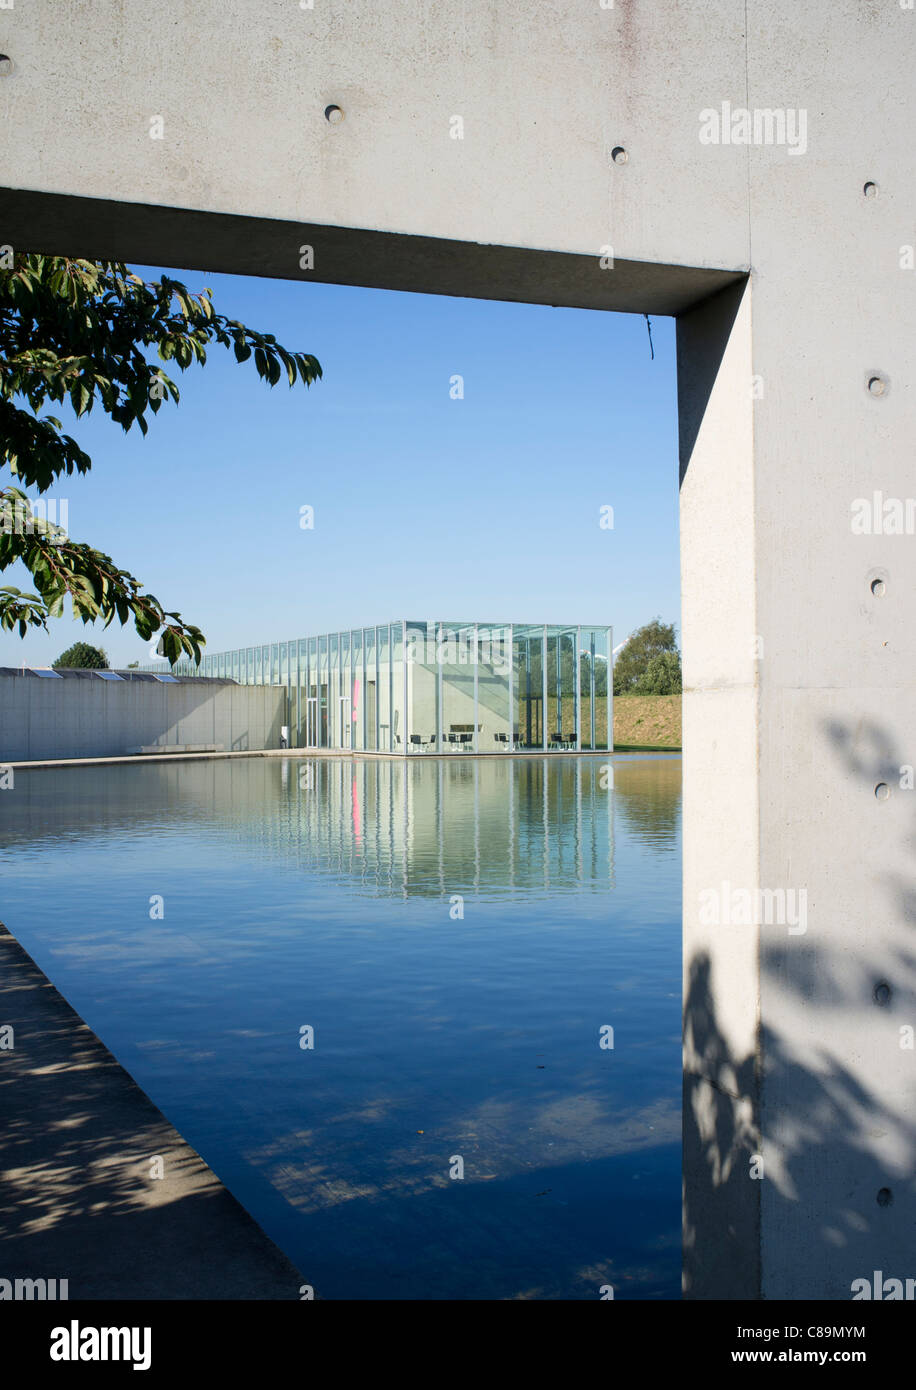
798, 572
721, 796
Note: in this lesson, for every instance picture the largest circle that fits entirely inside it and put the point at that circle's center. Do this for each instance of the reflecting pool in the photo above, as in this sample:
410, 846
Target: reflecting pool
421, 1017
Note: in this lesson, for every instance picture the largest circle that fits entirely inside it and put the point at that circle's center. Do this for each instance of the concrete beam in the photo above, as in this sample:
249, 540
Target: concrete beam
208, 241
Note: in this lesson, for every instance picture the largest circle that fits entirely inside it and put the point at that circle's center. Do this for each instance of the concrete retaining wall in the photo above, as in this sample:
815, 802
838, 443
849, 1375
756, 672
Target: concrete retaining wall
92, 718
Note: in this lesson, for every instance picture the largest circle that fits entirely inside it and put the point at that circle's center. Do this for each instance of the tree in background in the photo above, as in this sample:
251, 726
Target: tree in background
79, 330
83, 657
650, 663
662, 675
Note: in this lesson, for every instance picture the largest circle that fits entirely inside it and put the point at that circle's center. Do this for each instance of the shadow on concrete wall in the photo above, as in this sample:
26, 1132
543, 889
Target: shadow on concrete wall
833, 1186
702, 336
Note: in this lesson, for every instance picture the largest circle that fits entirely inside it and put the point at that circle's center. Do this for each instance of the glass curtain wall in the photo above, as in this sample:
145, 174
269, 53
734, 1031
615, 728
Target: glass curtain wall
494, 688
457, 656
371, 696
528, 680
324, 695
597, 687
302, 678
561, 693
422, 673
437, 687
398, 690
344, 694
332, 682
383, 643
357, 691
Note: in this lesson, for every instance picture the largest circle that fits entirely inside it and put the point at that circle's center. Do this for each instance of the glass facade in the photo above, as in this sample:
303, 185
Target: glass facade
437, 687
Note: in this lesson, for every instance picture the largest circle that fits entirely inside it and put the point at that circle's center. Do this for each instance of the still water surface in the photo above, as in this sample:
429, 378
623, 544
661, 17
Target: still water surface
456, 933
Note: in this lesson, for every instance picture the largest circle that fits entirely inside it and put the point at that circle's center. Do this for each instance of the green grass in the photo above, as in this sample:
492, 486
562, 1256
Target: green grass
645, 722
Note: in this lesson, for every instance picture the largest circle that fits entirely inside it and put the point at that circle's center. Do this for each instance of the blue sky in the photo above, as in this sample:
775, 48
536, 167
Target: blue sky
485, 507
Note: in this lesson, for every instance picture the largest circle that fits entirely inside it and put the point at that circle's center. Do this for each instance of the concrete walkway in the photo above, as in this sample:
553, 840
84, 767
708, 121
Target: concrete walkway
77, 1140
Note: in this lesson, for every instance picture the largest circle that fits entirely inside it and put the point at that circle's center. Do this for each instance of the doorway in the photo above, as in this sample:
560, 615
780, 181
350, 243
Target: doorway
311, 722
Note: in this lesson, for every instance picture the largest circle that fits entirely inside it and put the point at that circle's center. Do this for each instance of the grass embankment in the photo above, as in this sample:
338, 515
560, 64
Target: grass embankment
647, 721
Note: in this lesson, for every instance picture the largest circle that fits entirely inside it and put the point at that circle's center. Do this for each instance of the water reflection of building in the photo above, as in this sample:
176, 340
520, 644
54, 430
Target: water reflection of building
432, 828
389, 826
437, 687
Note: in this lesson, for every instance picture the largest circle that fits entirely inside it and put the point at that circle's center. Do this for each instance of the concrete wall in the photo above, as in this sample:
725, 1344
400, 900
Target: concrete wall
95, 718
800, 675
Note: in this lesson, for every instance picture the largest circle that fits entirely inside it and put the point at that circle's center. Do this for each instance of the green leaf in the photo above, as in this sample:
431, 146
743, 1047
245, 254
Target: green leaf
83, 332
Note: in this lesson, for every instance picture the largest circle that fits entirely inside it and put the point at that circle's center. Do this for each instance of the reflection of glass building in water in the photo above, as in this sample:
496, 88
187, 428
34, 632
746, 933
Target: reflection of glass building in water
501, 827
437, 687
498, 828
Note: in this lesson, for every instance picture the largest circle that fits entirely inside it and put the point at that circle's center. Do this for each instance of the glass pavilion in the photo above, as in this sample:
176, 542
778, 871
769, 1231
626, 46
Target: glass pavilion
437, 687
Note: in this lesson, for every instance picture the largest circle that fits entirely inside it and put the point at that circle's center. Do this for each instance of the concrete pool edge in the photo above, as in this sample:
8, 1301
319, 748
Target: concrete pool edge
81, 1149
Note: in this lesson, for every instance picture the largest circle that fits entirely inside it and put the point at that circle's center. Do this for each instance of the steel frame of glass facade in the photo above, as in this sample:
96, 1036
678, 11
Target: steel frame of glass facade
419, 688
